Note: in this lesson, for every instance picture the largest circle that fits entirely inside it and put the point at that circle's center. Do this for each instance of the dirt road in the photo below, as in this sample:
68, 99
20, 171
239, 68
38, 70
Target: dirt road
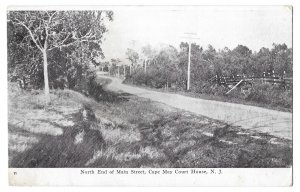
276, 123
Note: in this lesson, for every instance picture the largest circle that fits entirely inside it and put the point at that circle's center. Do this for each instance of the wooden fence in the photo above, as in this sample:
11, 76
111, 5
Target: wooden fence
240, 80
222, 80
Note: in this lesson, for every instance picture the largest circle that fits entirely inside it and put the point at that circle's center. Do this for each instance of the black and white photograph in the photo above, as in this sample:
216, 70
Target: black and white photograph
185, 88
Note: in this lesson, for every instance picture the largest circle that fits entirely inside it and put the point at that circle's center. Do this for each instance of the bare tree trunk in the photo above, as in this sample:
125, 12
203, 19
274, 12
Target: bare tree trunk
46, 79
167, 85
130, 69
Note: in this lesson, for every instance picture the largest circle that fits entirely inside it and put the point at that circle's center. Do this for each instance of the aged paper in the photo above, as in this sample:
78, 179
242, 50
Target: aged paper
150, 95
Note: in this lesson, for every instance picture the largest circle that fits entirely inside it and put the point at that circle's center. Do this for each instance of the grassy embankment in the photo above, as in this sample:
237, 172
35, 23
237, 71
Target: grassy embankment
128, 131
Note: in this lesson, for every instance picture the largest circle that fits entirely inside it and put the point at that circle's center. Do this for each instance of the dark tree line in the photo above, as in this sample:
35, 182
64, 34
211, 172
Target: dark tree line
167, 69
54, 49
169, 66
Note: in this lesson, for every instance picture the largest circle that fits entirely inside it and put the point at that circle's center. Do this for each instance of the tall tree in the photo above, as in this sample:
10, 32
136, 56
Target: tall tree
115, 66
133, 57
49, 30
282, 59
166, 66
149, 53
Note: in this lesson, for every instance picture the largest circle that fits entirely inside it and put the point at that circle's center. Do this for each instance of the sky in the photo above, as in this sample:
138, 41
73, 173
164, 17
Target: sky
220, 26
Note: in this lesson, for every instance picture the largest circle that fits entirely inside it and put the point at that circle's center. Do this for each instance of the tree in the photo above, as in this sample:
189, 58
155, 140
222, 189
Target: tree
263, 61
149, 53
103, 65
23, 58
166, 68
115, 66
133, 57
49, 30
199, 66
282, 59
209, 54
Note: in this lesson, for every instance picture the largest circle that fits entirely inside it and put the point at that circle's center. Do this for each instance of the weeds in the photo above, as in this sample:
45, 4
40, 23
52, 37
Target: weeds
131, 132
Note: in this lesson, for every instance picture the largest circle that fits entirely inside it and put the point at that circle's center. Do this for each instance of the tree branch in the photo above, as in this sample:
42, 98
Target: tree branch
47, 28
30, 33
85, 38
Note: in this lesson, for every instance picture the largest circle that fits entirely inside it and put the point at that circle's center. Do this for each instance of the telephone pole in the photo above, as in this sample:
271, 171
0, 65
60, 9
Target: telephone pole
189, 69
189, 37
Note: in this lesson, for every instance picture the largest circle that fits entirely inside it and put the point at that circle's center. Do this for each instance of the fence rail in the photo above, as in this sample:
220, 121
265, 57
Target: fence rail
237, 79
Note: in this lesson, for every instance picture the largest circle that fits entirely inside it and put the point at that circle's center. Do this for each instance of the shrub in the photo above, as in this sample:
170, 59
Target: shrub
271, 94
90, 87
211, 89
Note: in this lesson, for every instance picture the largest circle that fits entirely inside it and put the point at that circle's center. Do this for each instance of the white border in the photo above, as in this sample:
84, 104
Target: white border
251, 177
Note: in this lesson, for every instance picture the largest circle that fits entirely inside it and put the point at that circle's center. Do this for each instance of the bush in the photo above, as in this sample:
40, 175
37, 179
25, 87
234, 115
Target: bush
94, 89
266, 93
139, 77
259, 93
210, 89
271, 94
90, 87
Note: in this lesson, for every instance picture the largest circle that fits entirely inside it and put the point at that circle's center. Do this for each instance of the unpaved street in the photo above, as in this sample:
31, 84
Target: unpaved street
276, 123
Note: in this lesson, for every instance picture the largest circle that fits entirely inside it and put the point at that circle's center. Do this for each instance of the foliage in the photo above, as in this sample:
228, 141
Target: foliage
167, 68
272, 95
115, 67
62, 44
132, 56
135, 132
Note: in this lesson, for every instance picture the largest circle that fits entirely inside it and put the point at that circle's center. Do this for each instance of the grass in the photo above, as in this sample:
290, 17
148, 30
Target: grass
127, 131
231, 98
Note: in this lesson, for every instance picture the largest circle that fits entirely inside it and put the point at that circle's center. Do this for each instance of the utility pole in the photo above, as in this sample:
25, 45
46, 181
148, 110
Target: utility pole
189, 37
189, 68
145, 65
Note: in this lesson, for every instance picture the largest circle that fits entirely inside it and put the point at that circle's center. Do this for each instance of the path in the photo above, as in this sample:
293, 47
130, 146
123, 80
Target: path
276, 123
